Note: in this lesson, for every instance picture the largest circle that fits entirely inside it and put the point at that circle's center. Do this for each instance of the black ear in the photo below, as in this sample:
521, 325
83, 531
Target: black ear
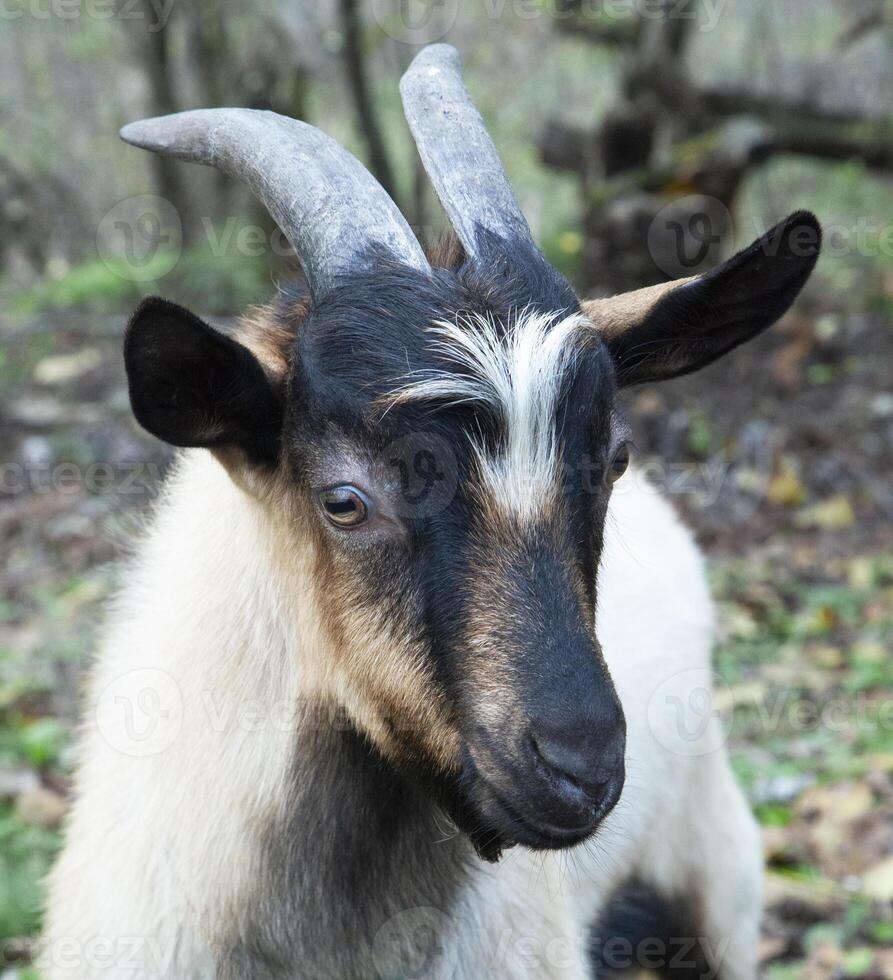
192, 386
703, 318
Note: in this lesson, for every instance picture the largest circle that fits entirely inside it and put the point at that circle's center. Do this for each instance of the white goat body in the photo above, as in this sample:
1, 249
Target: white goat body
188, 759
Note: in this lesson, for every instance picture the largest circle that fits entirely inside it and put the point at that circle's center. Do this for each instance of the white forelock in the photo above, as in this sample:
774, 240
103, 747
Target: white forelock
521, 372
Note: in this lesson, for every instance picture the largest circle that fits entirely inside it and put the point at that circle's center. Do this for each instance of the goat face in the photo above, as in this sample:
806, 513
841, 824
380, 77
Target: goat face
445, 441
446, 444
458, 447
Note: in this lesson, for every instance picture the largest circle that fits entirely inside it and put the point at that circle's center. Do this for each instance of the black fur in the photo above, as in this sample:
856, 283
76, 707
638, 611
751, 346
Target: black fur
699, 322
643, 930
379, 851
192, 386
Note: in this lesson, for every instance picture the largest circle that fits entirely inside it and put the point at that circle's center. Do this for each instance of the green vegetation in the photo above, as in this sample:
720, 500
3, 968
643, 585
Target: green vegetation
203, 277
26, 853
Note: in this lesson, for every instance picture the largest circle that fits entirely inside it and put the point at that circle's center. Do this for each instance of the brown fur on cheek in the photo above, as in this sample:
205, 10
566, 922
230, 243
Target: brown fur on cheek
271, 339
362, 659
366, 659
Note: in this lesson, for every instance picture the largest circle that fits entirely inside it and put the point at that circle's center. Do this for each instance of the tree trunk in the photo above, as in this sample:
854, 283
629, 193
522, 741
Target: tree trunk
354, 59
152, 48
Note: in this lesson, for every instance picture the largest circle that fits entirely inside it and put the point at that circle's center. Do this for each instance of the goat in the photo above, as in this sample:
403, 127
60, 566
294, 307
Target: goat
392, 688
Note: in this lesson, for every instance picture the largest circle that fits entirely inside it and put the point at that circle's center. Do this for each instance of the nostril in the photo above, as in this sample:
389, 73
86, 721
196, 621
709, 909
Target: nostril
571, 778
561, 759
576, 771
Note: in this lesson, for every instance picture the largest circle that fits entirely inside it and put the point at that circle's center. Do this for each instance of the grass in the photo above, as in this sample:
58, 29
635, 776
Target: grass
199, 276
26, 853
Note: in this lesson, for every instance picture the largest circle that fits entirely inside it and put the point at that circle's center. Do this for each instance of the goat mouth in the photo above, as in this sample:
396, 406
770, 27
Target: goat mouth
538, 834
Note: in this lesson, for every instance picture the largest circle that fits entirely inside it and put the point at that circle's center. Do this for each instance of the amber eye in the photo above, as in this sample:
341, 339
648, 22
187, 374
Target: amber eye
344, 506
619, 463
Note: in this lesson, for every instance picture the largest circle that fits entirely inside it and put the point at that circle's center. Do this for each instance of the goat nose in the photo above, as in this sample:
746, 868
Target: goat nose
581, 769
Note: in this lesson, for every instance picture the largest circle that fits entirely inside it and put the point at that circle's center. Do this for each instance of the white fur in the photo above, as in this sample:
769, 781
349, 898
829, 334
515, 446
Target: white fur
161, 848
521, 374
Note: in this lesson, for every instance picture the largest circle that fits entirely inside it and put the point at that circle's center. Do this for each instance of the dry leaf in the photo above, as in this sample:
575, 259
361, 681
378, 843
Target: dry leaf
785, 489
833, 514
878, 883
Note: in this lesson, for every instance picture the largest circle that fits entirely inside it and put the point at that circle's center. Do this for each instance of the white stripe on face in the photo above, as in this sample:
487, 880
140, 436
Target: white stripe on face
521, 373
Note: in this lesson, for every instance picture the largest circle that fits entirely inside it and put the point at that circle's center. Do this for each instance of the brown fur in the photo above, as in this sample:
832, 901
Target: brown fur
502, 547
373, 666
446, 253
614, 314
271, 336
377, 673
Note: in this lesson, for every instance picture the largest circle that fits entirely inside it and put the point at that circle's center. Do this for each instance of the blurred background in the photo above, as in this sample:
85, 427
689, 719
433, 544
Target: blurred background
646, 139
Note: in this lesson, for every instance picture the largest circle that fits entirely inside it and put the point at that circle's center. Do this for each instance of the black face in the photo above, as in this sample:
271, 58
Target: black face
499, 603
456, 521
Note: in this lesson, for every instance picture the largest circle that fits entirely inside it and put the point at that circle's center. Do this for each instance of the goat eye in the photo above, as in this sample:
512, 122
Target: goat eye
344, 506
619, 463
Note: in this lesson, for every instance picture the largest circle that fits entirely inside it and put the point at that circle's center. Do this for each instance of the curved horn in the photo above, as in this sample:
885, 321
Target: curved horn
457, 152
331, 209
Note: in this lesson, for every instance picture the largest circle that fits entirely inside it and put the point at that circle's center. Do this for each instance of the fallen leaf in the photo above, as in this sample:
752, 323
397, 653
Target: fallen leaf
785, 489
772, 948
823, 962
857, 962
843, 802
60, 368
41, 807
878, 883
833, 514
815, 900
831, 658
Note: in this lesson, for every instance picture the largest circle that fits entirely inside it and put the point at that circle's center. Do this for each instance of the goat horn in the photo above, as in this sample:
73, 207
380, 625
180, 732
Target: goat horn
457, 152
332, 210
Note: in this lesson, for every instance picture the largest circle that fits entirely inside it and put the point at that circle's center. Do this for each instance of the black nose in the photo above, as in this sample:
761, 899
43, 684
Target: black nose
585, 770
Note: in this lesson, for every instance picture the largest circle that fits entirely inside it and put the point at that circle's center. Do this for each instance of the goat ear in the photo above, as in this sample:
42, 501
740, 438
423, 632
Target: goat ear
192, 386
678, 327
